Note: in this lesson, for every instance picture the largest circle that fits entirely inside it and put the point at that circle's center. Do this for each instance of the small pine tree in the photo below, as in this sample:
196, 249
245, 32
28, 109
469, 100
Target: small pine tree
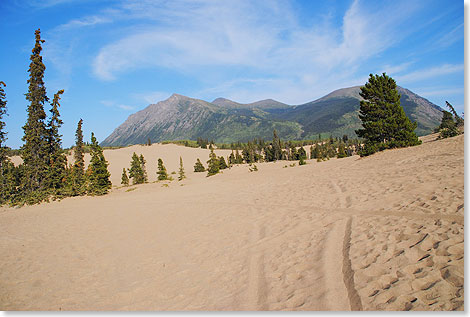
222, 164
136, 172
124, 178
198, 167
161, 172
181, 175
448, 127
212, 164
341, 151
142, 166
98, 174
57, 159
77, 173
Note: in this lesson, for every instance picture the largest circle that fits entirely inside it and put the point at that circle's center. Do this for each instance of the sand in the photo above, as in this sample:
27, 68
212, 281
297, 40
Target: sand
384, 232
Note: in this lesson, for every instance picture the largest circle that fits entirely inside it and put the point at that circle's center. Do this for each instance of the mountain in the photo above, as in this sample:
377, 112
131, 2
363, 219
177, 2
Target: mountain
181, 117
337, 113
262, 104
224, 120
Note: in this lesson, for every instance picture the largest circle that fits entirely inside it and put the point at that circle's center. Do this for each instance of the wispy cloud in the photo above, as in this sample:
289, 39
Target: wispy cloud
438, 91
237, 33
112, 104
86, 21
433, 72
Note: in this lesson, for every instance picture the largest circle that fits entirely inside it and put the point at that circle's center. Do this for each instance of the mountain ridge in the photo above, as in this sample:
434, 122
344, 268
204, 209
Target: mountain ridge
223, 120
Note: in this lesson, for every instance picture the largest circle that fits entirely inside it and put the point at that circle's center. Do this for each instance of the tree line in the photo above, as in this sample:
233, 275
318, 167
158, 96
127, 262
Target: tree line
45, 173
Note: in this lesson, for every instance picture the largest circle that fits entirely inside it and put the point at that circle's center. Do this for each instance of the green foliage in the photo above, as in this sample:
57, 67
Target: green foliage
222, 163
136, 172
35, 149
161, 172
198, 167
5, 164
76, 177
181, 174
143, 168
124, 178
212, 164
252, 168
341, 151
57, 168
97, 173
458, 120
448, 127
3, 133
385, 124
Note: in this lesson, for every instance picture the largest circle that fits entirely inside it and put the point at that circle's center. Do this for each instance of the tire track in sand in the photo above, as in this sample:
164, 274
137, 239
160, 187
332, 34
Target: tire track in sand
256, 294
348, 273
342, 294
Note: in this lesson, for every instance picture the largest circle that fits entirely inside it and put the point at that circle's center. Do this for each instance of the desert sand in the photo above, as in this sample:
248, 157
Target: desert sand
384, 232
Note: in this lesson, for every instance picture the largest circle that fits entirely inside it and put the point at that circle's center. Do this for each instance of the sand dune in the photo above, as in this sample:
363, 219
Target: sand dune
384, 232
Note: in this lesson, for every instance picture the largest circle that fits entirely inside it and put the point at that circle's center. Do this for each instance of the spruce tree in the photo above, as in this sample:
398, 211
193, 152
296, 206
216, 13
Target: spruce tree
448, 127
222, 163
57, 159
385, 124
212, 164
198, 167
98, 174
458, 120
181, 175
142, 166
231, 159
5, 164
277, 147
341, 151
77, 173
124, 178
161, 172
136, 172
35, 150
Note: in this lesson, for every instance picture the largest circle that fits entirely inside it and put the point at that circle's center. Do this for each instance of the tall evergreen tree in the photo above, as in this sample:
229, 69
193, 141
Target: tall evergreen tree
144, 169
161, 172
212, 164
136, 172
3, 133
35, 149
277, 146
198, 167
181, 175
6, 166
98, 174
57, 159
77, 172
124, 178
385, 124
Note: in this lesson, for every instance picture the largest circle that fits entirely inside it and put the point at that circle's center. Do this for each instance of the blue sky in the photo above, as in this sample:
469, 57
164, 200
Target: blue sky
114, 57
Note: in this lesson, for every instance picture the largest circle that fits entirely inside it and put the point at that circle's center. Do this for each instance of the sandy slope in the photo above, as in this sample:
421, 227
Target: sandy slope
383, 232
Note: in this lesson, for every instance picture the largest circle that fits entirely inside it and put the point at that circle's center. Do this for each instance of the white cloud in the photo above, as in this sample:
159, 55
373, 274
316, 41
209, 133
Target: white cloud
437, 91
86, 21
433, 72
192, 35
